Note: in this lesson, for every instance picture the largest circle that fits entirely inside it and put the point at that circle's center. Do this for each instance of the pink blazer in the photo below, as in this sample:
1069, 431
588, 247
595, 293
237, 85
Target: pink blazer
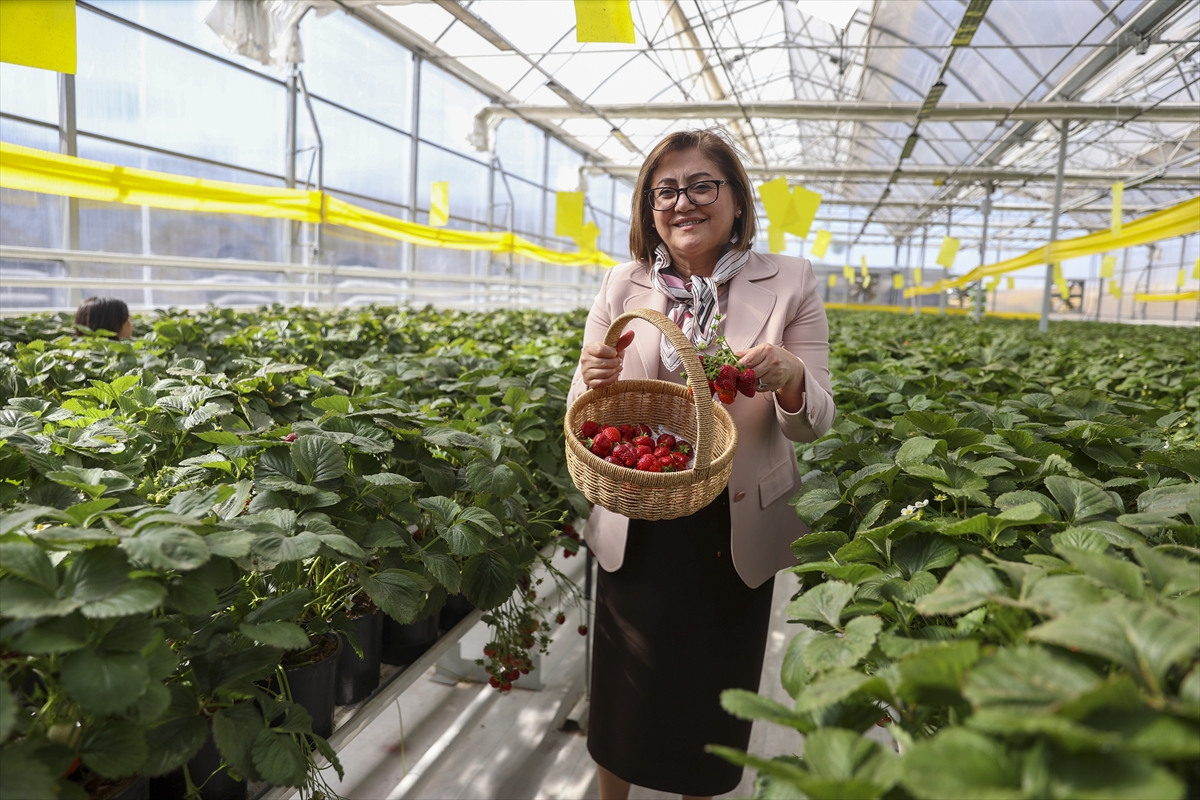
773, 299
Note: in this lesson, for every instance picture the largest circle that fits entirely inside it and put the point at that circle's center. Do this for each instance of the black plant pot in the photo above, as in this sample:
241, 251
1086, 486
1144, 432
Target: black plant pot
454, 611
314, 686
220, 786
357, 677
404, 644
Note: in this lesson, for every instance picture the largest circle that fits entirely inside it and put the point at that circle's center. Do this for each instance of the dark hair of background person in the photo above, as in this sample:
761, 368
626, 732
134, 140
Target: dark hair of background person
715, 145
102, 313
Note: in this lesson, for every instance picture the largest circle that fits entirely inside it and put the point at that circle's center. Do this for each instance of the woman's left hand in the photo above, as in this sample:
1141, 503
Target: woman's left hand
777, 370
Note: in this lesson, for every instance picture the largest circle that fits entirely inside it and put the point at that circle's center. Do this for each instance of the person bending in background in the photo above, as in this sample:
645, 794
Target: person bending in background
105, 314
683, 606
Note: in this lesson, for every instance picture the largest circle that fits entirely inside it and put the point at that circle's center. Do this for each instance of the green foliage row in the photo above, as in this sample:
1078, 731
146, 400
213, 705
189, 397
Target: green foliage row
183, 512
1004, 567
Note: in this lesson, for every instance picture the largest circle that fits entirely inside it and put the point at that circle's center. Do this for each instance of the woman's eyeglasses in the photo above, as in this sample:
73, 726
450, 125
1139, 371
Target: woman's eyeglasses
700, 193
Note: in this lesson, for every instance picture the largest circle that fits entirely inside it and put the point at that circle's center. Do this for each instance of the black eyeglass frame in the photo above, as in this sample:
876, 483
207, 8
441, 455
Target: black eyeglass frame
651, 194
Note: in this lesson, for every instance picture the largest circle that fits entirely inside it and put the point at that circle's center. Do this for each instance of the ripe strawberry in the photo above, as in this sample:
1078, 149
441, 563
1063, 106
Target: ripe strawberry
726, 379
643, 450
667, 440
590, 429
623, 450
489, 650
746, 381
680, 460
661, 451
561, 618
568, 529
626, 432
642, 429
682, 446
614, 460
712, 387
601, 446
665, 461
612, 433
727, 397
291, 437
495, 684
583, 630
644, 441
644, 463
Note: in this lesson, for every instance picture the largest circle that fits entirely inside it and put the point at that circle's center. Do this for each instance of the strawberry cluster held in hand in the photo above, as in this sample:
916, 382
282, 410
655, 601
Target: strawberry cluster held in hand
726, 377
635, 447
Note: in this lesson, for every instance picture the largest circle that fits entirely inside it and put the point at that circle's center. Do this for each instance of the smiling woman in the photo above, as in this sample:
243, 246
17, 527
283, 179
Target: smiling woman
673, 594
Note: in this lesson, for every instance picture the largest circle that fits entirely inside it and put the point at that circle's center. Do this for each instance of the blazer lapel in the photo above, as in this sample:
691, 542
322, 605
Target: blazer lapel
649, 338
749, 304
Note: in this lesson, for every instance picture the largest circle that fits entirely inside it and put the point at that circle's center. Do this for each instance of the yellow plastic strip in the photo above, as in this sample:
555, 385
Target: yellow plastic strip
1170, 223
31, 170
1180, 297
825, 237
604, 21
957, 312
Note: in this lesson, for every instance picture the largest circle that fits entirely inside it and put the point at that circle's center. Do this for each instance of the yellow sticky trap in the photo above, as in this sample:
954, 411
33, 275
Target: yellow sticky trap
568, 214
1115, 290
832, 279
992, 284
1181, 278
864, 267
777, 202
917, 275
439, 204
604, 21
1196, 270
1108, 266
587, 236
38, 33
805, 205
848, 273
825, 237
1057, 273
897, 281
948, 252
866, 281
1010, 283
1118, 191
776, 240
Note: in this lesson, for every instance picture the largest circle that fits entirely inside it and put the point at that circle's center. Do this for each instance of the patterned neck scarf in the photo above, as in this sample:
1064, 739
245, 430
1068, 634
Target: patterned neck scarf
696, 299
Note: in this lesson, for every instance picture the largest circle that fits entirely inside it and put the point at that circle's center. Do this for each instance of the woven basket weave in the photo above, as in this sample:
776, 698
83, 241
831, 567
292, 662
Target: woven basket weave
690, 414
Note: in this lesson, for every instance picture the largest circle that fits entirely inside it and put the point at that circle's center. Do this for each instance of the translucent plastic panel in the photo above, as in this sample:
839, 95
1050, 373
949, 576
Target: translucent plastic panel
134, 156
349, 63
28, 92
468, 181
519, 146
563, 165
28, 219
182, 20
136, 87
448, 109
527, 202
361, 156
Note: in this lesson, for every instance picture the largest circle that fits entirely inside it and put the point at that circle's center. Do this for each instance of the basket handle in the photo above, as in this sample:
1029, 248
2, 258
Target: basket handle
701, 397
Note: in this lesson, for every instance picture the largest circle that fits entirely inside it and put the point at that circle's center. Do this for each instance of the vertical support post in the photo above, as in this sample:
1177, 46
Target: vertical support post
919, 299
68, 144
291, 229
491, 223
895, 298
1124, 273
980, 295
413, 160
1099, 291
1044, 322
945, 270
541, 290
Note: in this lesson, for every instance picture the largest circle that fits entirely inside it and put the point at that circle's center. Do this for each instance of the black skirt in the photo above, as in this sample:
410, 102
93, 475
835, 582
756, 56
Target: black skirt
675, 627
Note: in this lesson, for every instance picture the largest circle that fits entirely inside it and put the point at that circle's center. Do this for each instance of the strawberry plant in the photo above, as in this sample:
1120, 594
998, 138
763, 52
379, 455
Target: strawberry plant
185, 510
1004, 567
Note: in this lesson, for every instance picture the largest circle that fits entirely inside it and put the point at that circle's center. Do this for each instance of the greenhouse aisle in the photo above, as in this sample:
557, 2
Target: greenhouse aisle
467, 741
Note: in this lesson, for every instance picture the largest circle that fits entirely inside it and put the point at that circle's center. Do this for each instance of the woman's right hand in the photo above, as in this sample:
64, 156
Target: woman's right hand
600, 365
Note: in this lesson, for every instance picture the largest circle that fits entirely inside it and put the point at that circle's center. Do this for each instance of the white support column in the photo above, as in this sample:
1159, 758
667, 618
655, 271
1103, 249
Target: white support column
68, 146
1044, 322
980, 294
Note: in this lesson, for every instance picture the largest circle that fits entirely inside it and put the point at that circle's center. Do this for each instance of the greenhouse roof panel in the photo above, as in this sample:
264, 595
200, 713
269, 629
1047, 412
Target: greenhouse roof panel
700, 51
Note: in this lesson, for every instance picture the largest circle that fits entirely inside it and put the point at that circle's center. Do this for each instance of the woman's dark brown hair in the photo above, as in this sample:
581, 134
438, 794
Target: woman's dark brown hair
715, 145
102, 313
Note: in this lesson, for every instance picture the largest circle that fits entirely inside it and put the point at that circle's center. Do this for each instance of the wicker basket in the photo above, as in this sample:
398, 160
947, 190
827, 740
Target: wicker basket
654, 495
